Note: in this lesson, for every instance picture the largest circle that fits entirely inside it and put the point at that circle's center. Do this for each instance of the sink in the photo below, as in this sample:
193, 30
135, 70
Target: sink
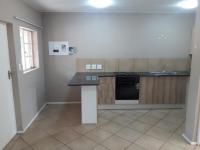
163, 73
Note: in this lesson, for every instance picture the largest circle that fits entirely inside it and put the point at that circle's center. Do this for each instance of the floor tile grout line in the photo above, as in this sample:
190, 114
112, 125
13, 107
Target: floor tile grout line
49, 135
130, 123
81, 135
151, 128
122, 127
102, 146
85, 132
111, 134
100, 143
84, 135
157, 123
173, 135
134, 140
27, 143
122, 137
143, 133
147, 131
63, 142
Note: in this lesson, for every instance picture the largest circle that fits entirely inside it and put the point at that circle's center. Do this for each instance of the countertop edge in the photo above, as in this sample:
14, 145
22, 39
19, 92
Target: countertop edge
79, 78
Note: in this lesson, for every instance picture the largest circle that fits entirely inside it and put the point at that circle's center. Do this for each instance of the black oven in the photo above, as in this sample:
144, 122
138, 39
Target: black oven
127, 87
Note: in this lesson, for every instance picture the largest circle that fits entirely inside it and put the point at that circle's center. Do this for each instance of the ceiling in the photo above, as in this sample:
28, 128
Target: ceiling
138, 6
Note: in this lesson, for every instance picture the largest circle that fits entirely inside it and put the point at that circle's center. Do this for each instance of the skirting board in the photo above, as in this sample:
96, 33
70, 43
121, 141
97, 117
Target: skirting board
104, 107
63, 103
140, 106
188, 140
19, 132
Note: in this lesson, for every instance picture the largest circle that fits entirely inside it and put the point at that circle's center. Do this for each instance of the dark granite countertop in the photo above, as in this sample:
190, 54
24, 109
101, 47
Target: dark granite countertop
92, 78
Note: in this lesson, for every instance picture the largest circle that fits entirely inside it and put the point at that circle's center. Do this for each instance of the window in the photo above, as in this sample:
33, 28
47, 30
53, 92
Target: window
29, 49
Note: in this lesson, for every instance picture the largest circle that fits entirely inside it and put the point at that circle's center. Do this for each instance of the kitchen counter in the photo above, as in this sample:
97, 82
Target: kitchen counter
89, 82
92, 78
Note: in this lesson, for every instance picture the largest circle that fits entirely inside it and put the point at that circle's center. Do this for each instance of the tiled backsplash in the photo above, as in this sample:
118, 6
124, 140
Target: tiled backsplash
134, 64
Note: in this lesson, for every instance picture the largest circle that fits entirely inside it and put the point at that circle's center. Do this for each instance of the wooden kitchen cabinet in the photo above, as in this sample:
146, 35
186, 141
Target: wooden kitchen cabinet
106, 90
163, 90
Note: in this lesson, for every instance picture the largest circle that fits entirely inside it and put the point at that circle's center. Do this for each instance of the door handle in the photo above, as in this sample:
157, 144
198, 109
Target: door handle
9, 75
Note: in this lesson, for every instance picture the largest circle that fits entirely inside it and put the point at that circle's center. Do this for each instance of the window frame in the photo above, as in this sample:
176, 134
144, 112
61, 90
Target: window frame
34, 50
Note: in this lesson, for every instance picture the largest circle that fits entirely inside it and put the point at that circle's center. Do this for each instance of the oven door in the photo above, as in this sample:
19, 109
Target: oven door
127, 87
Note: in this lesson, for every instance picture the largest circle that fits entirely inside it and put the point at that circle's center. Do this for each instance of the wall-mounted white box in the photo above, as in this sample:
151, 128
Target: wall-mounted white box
58, 48
99, 66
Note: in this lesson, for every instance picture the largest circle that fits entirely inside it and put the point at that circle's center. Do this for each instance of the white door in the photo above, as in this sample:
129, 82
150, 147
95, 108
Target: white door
7, 111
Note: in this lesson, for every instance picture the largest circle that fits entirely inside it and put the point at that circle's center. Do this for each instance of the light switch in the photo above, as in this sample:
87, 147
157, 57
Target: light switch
99, 66
88, 66
94, 66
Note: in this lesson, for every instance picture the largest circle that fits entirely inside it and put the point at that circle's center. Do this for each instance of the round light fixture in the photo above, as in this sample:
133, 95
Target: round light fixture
100, 3
188, 4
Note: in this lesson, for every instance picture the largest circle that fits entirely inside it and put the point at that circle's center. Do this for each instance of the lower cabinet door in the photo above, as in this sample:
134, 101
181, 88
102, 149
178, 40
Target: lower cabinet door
163, 90
106, 90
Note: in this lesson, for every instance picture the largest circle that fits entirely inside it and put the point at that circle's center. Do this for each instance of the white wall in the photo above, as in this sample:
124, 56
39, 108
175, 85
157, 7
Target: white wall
122, 35
111, 35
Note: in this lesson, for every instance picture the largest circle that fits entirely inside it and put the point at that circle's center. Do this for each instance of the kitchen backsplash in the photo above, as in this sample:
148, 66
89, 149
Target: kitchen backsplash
132, 64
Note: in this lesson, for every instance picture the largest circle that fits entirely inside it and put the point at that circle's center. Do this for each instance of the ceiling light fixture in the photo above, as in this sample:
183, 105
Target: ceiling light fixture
100, 3
188, 4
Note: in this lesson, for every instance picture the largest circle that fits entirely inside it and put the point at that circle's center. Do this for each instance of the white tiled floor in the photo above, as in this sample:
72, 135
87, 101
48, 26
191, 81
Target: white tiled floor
58, 127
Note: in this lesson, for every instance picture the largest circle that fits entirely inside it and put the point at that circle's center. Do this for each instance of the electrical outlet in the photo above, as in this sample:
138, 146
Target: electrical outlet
88, 66
94, 66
